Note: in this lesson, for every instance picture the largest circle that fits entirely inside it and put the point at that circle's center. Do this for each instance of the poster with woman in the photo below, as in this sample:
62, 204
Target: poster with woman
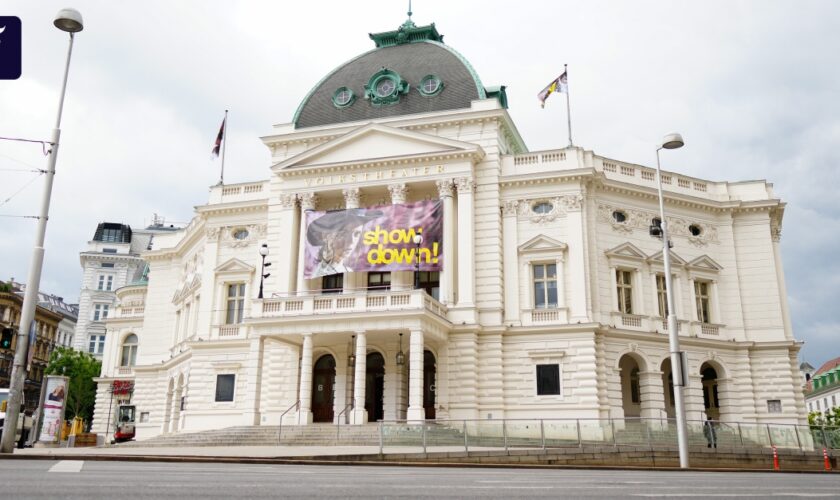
55, 397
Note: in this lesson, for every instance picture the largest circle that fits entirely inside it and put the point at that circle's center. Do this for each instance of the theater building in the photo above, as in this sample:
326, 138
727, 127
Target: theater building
536, 291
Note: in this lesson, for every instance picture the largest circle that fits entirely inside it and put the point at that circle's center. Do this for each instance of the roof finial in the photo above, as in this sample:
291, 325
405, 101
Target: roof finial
409, 10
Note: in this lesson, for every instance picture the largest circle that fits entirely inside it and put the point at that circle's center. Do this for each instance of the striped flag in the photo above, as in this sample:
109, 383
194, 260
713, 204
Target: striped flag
219, 138
560, 84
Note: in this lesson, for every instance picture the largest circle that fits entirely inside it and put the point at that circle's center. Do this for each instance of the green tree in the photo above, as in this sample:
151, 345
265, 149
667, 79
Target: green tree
80, 368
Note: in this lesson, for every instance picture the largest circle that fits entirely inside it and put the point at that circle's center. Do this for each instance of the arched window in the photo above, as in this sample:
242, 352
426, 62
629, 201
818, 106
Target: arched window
129, 351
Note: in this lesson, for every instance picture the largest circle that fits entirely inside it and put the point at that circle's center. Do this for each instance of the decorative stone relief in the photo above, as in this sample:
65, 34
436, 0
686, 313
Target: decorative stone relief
572, 202
213, 233
255, 232
641, 219
510, 208
776, 229
634, 347
465, 184
398, 192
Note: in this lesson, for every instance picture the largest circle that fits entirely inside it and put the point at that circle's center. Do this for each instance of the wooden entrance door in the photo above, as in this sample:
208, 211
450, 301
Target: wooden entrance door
323, 389
429, 367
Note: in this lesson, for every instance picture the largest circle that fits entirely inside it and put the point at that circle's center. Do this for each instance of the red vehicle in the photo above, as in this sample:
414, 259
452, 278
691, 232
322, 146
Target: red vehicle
125, 424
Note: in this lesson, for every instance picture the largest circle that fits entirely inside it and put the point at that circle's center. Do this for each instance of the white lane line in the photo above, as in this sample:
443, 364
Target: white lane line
67, 466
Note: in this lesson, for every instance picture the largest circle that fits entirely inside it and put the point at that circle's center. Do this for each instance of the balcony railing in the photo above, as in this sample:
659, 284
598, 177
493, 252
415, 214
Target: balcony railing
552, 316
379, 301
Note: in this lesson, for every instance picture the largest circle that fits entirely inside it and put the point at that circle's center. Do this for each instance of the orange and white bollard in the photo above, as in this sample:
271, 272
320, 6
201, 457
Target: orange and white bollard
825, 459
775, 459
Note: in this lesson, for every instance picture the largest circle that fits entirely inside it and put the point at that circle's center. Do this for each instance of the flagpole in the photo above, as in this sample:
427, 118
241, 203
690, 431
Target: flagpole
224, 147
568, 106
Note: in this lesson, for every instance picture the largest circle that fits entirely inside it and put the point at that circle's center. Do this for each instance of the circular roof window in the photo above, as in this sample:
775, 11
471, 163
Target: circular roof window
343, 97
695, 230
240, 234
430, 85
542, 207
619, 216
385, 87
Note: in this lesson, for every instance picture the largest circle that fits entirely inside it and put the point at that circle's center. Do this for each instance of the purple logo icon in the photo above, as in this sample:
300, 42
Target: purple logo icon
10, 47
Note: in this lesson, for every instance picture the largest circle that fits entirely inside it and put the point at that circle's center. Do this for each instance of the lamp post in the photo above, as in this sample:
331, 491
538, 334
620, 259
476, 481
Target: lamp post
263, 274
418, 240
400, 354
69, 21
672, 141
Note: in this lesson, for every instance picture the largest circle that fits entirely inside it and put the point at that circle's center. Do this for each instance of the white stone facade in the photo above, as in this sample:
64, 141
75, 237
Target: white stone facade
485, 334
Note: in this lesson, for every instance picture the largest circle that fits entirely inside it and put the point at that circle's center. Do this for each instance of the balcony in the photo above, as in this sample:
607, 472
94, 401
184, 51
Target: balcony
349, 303
553, 316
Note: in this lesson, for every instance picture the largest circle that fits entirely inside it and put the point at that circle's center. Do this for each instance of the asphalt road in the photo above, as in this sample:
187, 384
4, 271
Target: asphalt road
72, 479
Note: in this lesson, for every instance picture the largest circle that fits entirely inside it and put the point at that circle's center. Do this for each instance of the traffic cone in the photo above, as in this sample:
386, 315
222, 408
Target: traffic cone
775, 459
825, 459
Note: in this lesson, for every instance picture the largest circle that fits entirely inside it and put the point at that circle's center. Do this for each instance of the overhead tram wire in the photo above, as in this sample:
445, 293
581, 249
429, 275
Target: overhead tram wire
40, 173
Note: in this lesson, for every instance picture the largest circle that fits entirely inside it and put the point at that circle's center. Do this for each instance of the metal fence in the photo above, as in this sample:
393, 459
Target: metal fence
472, 435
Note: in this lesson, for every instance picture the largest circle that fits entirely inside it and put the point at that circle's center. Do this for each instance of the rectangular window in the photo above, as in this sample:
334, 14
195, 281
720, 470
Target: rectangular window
545, 286
144, 417
624, 280
109, 250
333, 283
100, 348
235, 303
662, 295
100, 312
106, 282
224, 387
774, 406
379, 281
548, 380
701, 293
107, 264
92, 344
430, 282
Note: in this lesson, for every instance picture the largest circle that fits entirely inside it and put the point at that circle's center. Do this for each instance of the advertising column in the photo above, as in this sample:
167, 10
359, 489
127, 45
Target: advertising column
55, 399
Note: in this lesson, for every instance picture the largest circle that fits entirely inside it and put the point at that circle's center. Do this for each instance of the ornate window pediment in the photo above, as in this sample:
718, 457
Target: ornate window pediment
626, 252
235, 266
676, 260
542, 244
704, 263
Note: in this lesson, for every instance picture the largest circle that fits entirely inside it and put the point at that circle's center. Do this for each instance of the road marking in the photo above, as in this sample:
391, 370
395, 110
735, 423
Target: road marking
67, 466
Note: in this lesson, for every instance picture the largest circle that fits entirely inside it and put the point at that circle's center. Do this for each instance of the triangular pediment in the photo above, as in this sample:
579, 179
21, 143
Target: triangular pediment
186, 288
235, 265
705, 262
676, 260
542, 243
373, 142
627, 251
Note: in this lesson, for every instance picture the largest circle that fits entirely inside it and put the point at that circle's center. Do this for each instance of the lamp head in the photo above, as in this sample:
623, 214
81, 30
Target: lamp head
264, 250
418, 239
69, 20
673, 141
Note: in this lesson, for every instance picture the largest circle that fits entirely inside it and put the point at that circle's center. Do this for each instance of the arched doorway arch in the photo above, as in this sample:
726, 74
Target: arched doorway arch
375, 386
630, 366
709, 376
323, 389
167, 409
668, 387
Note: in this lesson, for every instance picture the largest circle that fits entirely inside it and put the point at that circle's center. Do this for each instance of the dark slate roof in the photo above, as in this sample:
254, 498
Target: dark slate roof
412, 61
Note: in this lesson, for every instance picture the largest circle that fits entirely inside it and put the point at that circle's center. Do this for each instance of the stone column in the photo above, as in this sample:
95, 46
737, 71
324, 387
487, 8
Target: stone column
400, 280
305, 412
652, 395
287, 251
638, 296
466, 242
577, 259
359, 412
693, 298
416, 412
447, 276
253, 372
307, 204
613, 289
351, 197
398, 193
352, 280
510, 259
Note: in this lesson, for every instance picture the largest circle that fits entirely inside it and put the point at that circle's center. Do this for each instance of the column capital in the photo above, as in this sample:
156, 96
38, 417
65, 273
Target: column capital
465, 184
308, 200
351, 197
398, 192
510, 208
288, 200
444, 187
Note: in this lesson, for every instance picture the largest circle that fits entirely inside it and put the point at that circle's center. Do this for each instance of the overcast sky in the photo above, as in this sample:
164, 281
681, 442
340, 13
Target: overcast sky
754, 87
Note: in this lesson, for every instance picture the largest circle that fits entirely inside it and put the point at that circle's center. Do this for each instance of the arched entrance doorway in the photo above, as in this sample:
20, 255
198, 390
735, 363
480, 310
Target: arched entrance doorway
631, 393
323, 389
375, 387
709, 377
668, 386
429, 374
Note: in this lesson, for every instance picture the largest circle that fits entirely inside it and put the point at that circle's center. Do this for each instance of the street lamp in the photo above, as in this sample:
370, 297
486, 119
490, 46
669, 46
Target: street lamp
672, 141
263, 274
418, 240
69, 21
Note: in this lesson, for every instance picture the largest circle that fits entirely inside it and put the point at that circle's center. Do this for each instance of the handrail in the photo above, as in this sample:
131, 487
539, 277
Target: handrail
338, 420
280, 427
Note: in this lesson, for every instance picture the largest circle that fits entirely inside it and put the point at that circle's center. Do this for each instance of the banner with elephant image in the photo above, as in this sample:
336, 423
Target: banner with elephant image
374, 239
